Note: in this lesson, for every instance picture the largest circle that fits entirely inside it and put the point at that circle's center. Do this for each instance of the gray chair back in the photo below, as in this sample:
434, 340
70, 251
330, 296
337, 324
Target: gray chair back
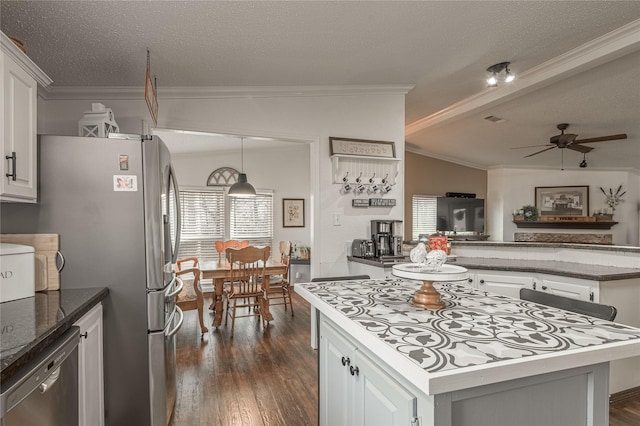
343, 278
597, 310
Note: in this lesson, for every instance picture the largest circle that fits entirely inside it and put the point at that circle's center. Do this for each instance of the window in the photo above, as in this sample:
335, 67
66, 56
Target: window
251, 218
208, 215
203, 222
424, 215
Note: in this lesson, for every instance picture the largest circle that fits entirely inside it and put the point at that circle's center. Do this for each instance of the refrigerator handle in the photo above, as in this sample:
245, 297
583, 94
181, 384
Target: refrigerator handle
177, 327
174, 258
176, 290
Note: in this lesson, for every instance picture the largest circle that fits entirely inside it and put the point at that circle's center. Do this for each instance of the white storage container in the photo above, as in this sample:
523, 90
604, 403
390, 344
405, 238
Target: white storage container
17, 272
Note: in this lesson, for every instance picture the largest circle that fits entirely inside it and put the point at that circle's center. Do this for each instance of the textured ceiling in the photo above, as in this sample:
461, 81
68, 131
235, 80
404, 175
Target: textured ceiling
441, 47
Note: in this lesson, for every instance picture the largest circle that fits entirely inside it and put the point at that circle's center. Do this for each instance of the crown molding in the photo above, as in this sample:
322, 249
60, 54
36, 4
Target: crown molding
566, 169
218, 92
424, 153
606, 48
9, 48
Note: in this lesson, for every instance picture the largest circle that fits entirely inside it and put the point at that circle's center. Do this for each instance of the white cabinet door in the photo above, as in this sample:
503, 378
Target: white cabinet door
19, 105
90, 370
336, 385
567, 287
384, 402
507, 284
375, 272
354, 390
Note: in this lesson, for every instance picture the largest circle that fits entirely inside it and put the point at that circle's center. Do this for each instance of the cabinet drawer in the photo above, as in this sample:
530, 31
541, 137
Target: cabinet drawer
504, 284
566, 289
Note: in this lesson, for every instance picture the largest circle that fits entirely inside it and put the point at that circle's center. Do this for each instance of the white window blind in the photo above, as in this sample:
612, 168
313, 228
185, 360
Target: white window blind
251, 218
203, 222
424, 215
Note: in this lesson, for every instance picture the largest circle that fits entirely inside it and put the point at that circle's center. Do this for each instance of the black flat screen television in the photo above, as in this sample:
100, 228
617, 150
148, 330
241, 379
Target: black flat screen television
460, 214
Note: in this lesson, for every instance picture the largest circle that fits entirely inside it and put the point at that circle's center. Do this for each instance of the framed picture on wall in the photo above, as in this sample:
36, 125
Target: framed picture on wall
293, 212
562, 200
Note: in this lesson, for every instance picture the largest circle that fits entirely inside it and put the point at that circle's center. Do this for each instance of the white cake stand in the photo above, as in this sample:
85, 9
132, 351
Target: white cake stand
427, 296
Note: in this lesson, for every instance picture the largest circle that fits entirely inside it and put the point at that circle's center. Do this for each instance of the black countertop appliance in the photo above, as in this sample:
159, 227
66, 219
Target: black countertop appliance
387, 238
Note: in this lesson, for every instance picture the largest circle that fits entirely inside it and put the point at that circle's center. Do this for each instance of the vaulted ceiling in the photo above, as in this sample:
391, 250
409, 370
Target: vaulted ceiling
577, 62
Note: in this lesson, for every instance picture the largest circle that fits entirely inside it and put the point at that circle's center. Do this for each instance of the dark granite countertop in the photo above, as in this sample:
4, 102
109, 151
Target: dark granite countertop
459, 243
564, 269
30, 325
387, 263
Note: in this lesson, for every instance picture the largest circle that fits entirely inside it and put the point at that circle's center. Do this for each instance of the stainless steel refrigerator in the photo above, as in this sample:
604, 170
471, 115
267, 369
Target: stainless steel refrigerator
115, 204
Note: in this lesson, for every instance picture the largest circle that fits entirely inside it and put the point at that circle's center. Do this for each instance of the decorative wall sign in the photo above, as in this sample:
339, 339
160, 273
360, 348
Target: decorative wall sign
562, 200
293, 212
360, 202
362, 147
382, 202
150, 92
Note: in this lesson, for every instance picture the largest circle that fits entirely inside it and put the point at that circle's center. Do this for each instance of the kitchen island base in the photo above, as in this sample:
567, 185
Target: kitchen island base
359, 388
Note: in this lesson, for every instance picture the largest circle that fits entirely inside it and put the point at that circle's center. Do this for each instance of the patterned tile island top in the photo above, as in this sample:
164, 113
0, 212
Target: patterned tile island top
475, 331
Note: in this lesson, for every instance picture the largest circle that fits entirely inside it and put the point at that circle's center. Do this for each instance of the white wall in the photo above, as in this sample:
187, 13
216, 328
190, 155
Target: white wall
309, 118
283, 170
510, 189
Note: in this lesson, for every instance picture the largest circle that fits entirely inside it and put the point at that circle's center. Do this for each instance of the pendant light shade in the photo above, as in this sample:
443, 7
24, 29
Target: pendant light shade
242, 188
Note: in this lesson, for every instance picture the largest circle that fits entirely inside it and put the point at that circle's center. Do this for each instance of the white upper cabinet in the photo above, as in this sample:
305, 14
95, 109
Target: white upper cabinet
18, 119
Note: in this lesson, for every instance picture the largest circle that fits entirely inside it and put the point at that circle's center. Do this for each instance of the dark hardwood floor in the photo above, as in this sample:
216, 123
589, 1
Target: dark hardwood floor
265, 377
258, 377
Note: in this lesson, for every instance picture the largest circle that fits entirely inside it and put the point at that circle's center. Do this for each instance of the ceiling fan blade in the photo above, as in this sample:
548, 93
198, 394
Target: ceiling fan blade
602, 138
567, 138
580, 148
530, 146
536, 153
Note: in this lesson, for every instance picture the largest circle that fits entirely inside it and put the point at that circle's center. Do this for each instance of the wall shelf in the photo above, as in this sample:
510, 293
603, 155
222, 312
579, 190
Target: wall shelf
356, 165
564, 225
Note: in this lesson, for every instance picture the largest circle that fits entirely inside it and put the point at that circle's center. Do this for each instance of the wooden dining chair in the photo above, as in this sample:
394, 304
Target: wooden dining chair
245, 286
279, 286
222, 246
597, 310
192, 296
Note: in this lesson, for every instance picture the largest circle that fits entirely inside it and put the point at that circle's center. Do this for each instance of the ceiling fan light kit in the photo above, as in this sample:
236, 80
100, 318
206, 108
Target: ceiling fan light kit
495, 70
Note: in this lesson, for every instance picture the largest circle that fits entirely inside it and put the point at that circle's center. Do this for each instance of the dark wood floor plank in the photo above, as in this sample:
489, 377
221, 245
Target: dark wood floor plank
265, 377
259, 377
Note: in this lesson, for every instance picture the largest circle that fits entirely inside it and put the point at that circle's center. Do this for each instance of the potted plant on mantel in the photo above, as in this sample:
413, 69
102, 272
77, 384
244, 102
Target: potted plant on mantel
612, 199
527, 213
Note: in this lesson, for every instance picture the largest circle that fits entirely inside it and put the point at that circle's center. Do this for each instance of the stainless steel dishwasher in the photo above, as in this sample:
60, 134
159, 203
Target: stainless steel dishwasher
45, 391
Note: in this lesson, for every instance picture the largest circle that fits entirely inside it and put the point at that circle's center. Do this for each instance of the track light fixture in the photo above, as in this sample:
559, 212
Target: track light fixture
492, 80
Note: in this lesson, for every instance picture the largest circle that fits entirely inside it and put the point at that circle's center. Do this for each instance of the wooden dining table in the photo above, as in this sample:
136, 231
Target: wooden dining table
221, 271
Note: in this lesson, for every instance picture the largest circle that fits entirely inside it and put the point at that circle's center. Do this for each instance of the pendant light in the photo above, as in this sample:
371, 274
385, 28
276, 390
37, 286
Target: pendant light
242, 188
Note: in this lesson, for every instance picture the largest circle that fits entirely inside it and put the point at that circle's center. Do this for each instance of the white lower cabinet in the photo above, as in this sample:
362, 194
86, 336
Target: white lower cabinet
354, 390
505, 283
375, 272
509, 283
90, 368
568, 287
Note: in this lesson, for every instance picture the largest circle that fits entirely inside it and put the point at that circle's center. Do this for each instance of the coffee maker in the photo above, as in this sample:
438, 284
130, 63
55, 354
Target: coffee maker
387, 238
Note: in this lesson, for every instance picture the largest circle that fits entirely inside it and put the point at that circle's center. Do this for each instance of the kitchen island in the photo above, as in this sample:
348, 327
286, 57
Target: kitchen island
483, 359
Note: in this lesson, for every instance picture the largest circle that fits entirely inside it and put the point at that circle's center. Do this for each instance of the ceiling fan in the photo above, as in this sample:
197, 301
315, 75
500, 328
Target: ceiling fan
571, 141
